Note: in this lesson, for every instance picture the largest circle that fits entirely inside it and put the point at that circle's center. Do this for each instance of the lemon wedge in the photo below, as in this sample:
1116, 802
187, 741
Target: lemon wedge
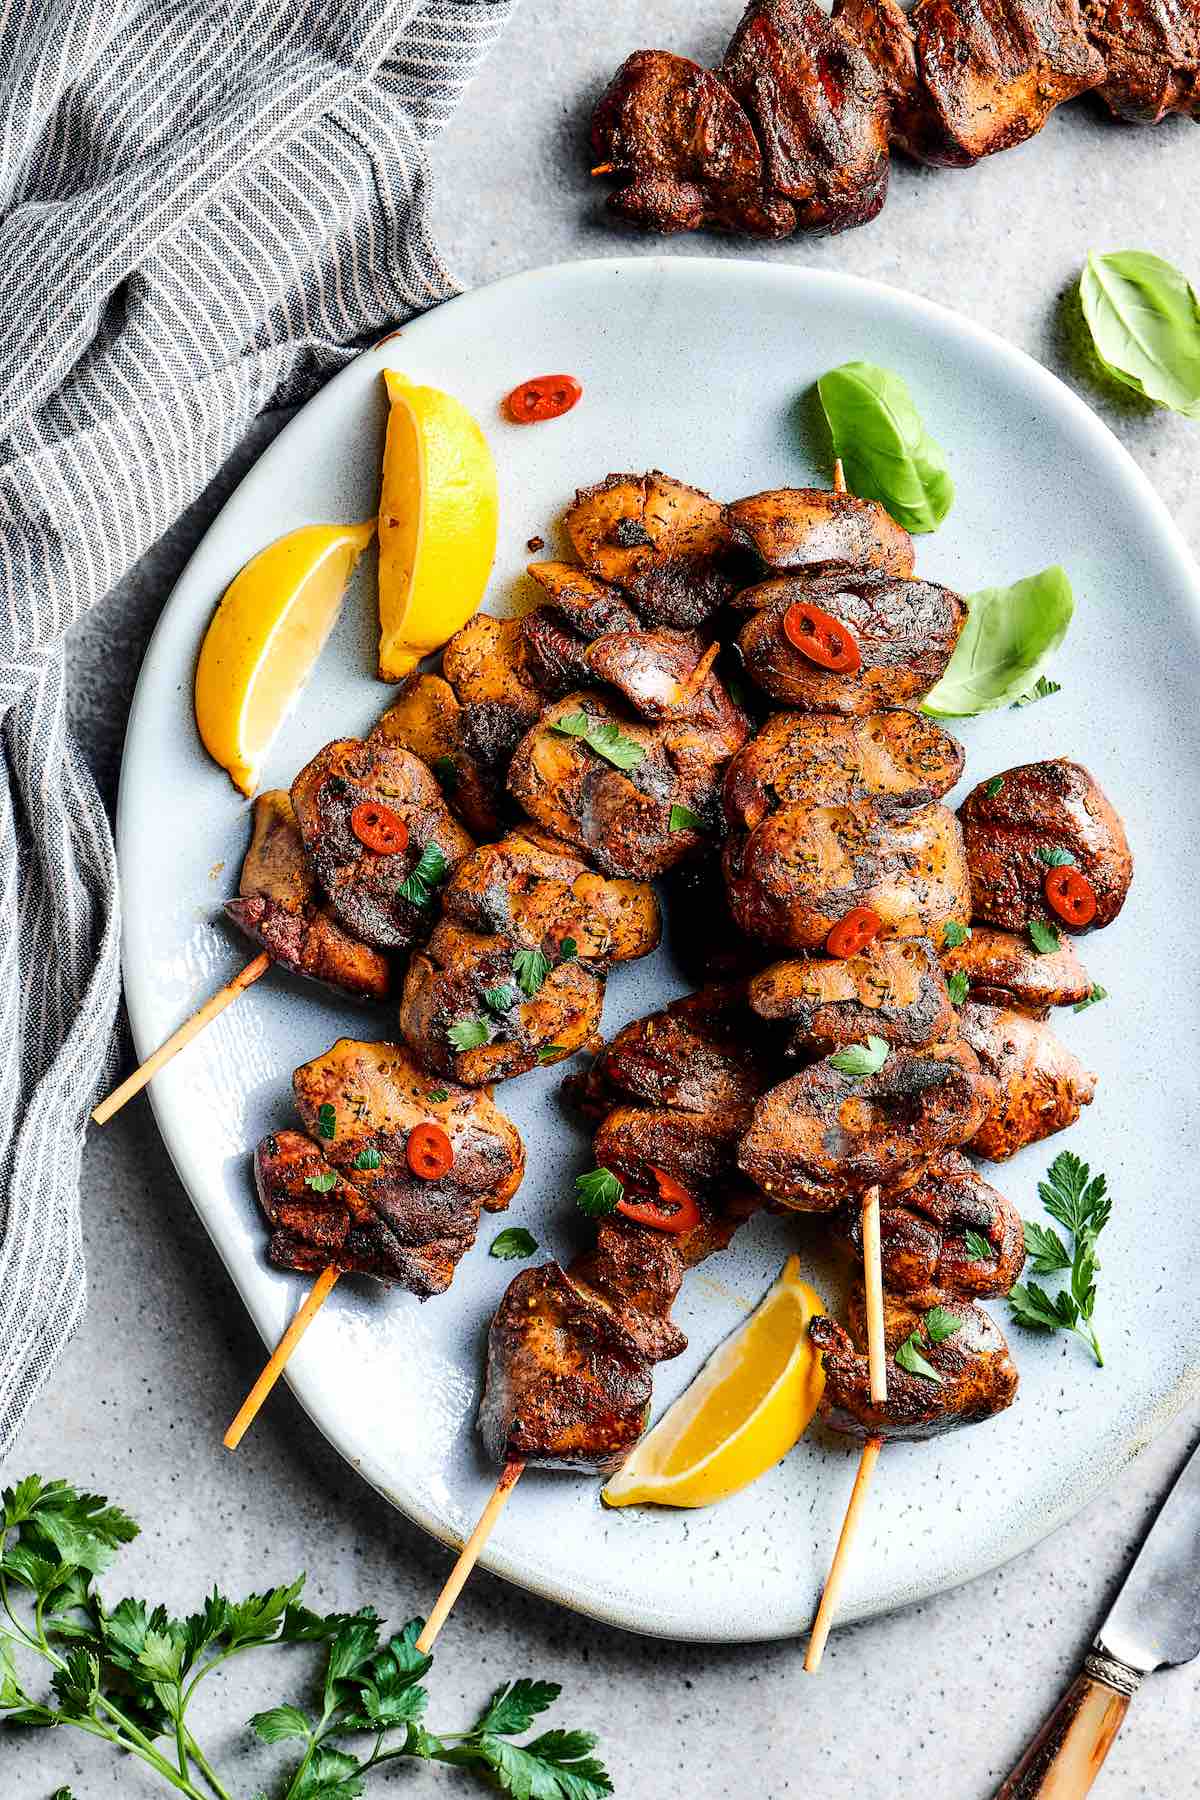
746, 1408
438, 517
264, 638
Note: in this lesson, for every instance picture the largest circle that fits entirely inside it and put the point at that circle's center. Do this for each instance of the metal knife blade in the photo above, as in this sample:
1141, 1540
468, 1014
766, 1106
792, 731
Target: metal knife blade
1156, 1617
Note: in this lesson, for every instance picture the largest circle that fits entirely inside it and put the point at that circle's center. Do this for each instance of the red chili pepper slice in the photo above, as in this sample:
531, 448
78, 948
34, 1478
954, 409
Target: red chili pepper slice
675, 1210
821, 637
542, 397
853, 933
429, 1151
1071, 895
378, 827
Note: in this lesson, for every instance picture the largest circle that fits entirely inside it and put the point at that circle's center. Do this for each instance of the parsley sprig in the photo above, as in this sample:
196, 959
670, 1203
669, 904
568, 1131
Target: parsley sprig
1079, 1201
937, 1325
128, 1674
598, 1192
603, 736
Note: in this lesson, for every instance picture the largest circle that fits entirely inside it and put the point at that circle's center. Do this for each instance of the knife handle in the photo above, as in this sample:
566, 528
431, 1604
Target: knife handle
1069, 1751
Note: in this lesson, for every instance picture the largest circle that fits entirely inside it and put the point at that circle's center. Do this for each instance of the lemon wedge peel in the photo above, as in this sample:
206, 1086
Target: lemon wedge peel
264, 640
438, 523
747, 1407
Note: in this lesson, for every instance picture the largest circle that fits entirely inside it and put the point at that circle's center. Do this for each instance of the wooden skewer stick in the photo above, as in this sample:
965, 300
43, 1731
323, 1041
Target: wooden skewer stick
133, 1084
469, 1555
837, 1568
603, 168
873, 1281
320, 1291
839, 477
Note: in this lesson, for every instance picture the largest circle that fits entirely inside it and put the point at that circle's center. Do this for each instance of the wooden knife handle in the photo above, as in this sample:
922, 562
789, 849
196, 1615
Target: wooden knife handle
1068, 1752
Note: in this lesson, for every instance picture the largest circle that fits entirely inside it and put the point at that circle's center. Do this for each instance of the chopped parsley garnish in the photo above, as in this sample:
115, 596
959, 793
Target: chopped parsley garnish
326, 1121
468, 1034
568, 950
1053, 856
1044, 938
499, 1000
437, 1095
992, 788
1079, 1201
955, 935
424, 877
1042, 689
938, 1325
531, 968
1094, 995
978, 1248
598, 1192
682, 818
512, 1245
368, 1159
322, 1182
861, 1059
958, 986
549, 1052
603, 736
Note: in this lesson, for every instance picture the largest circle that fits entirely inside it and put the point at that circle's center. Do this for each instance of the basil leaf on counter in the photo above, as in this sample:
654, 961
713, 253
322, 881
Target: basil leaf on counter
886, 452
1144, 319
1009, 633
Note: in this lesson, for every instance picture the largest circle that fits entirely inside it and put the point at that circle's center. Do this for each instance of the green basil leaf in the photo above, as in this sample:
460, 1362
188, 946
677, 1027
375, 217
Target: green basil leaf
512, 1245
1145, 323
1008, 635
886, 452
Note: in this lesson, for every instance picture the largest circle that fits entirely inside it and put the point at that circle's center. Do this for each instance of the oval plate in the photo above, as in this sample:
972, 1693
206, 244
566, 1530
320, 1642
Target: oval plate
702, 367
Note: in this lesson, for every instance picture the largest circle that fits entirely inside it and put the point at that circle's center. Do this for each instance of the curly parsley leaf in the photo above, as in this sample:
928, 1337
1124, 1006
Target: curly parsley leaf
428, 872
598, 1192
1093, 997
513, 1245
1044, 938
978, 1248
682, 818
861, 1059
531, 968
603, 736
955, 935
468, 1034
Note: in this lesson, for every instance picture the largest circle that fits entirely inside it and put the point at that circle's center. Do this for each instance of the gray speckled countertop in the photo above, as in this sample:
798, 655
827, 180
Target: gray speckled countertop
937, 1700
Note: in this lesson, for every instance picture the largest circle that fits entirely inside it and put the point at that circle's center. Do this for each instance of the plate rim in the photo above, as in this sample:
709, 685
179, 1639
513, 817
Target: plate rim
1060, 397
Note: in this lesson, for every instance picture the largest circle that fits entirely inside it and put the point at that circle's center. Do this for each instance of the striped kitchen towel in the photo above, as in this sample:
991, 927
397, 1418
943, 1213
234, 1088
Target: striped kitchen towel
206, 206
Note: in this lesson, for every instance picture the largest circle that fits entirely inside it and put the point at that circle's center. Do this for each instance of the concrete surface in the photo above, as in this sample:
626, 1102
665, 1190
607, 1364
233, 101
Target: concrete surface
939, 1700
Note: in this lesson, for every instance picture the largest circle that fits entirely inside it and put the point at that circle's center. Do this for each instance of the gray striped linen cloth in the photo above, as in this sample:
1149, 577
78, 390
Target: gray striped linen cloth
206, 206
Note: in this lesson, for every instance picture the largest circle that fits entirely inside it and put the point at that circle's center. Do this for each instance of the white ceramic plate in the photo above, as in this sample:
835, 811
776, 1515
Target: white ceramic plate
699, 367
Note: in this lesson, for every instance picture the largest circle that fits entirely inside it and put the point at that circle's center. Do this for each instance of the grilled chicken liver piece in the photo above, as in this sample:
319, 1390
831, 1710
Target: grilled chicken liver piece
663, 674
621, 819
590, 607
311, 1227
896, 759
895, 990
378, 1094
683, 151
819, 531
1041, 1087
660, 540
805, 867
538, 891
363, 885
819, 111
1152, 52
445, 986
1004, 969
978, 1375
567, 1384
427, 719
905, 631
966, 78
637, 1273
922, 1231
703, 1054
277, 908
1040, 806
822, 1137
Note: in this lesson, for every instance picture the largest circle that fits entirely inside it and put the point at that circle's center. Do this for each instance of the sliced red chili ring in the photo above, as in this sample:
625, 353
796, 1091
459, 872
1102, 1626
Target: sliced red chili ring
429, 1151
675, 1210
1071, 895
378, 827
822, 638
542, 397
853, 933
